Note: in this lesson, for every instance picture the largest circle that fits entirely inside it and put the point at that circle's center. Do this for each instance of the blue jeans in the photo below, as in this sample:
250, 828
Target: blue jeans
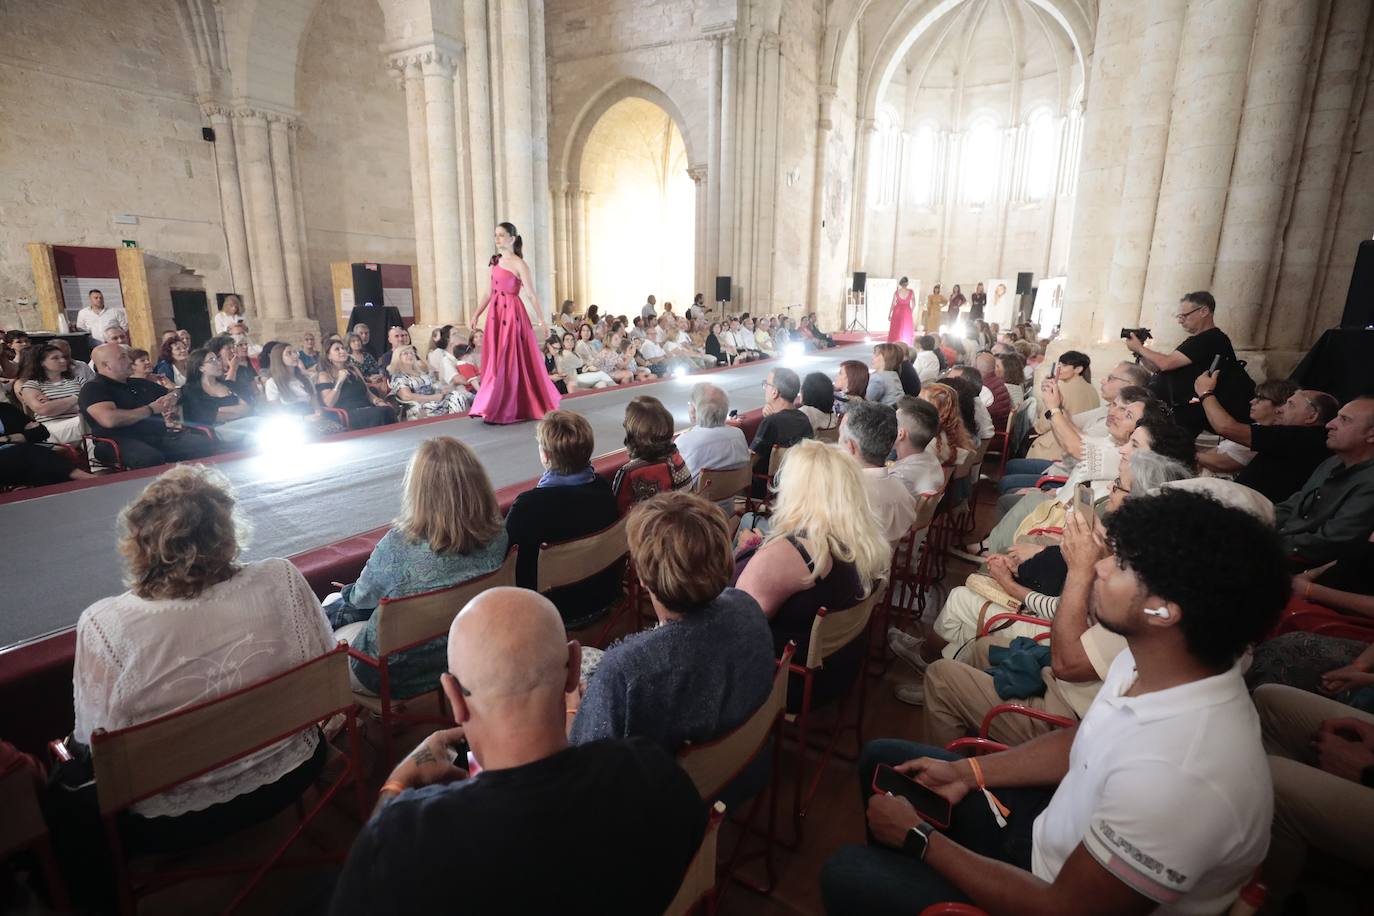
876, 879
1022, 472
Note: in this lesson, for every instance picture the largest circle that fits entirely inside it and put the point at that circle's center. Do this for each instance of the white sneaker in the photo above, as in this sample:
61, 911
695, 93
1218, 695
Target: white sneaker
911, 694
907, 648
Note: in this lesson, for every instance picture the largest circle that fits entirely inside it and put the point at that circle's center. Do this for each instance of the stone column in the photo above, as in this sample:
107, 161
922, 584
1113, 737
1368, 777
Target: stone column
437, 67
1322, 154
1148, 127
824, 125
480, 139
283, 179
579, 234
1209, 84
465, 227
412, 80
269, 270
541, 229
746, 168
517, 159
711, 237
725, 248
1248, 252
231, 205
562, 268
698, 175
859, 237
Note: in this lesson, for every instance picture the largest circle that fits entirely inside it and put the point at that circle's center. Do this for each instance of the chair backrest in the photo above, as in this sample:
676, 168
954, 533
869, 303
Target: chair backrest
713, 764
925, 509
831, 435
776, 458
415, 619
23, 821
718, 484
572, 561
140, 761
833, 630
700, 878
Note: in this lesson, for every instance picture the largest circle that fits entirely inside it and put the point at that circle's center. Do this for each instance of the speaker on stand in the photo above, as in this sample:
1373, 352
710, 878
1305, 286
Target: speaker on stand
722, 294
859, 301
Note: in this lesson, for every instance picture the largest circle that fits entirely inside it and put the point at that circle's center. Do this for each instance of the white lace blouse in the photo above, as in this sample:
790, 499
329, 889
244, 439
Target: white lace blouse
137, 659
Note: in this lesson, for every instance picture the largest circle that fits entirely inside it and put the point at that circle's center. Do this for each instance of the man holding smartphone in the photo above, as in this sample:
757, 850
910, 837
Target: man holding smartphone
1163, 800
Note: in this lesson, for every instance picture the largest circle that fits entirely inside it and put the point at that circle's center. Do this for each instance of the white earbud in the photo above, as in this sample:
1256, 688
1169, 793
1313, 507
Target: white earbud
1161, 612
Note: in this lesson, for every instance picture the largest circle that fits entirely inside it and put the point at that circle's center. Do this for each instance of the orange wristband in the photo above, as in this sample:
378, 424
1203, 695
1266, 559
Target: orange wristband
392, 785
1000, 812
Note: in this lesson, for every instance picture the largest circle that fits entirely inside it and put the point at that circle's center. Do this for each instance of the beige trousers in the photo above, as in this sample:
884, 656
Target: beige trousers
958, 695
957, 623
1313, 809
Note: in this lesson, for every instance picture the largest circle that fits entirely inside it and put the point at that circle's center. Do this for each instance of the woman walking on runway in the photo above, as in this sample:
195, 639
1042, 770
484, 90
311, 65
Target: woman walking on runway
515, 385
901, 324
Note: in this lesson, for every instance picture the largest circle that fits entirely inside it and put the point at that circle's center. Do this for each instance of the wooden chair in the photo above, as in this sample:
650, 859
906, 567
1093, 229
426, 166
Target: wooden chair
135, 763
715, 764
775, 460
829, 436
830, 632
578, 559
699, 883
22, 827
404, 623
721, 484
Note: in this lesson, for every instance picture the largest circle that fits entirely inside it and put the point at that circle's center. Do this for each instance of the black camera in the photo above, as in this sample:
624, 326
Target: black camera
1141, 334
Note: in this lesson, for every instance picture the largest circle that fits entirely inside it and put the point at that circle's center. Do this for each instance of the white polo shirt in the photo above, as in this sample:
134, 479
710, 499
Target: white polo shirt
1170, 791
95, 324
892, 504
716, 447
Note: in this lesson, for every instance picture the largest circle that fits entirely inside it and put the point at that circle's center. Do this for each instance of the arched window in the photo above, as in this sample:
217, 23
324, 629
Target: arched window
924, 171
1042, 156
883, 160
981, 147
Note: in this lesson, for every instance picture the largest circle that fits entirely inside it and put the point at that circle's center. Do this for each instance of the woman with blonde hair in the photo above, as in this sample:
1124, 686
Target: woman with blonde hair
449, 530
824, 549
953, 434
197, 623
418, 391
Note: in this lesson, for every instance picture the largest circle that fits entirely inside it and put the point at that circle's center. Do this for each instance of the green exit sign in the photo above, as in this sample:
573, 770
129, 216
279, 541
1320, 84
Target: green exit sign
130, 243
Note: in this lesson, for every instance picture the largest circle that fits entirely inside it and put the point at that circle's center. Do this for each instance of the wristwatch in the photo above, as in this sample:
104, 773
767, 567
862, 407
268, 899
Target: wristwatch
1049, 414
917, 840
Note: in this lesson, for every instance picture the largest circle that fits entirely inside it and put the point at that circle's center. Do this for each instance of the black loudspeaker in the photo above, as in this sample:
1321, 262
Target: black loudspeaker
1359, 302
860, 280
722, 289
1023, 283
367, 284
207, 134
367, 290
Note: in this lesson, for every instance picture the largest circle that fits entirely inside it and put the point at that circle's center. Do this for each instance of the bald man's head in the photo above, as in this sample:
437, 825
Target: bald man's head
112, 361
507, 643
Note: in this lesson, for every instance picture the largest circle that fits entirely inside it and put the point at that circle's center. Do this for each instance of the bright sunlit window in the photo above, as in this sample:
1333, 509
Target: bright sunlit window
884, 156
924, 169
980, 153
1042, 153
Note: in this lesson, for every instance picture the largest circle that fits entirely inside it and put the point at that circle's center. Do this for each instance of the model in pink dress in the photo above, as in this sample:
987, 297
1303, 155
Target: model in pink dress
515, 385
901, 324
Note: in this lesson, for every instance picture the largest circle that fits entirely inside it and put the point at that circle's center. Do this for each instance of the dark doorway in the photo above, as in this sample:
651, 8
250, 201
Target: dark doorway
191, 310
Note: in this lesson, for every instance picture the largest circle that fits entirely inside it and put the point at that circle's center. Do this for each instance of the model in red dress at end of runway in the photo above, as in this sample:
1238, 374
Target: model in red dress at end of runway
514, 385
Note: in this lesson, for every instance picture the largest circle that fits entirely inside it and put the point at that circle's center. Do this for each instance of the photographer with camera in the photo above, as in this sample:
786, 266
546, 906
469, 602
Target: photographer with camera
1177, 370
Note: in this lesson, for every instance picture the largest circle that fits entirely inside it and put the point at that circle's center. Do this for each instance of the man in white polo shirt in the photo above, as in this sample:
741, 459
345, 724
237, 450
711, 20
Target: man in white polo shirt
711, 442
1164, 796
97, 316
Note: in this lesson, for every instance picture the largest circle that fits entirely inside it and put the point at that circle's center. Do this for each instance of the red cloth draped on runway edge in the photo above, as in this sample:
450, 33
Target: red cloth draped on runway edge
515, 385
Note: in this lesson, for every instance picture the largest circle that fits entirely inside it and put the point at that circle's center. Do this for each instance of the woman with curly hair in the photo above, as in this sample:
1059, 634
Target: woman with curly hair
197, 623
655, 466
953, 433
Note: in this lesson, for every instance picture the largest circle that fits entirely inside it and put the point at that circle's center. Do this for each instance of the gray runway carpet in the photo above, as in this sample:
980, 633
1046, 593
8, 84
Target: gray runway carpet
57, 552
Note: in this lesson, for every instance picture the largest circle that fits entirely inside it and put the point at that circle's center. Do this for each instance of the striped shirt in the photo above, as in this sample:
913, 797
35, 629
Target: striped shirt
62, 388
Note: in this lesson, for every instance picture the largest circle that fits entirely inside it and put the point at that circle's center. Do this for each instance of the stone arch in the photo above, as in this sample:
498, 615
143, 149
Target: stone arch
570, 162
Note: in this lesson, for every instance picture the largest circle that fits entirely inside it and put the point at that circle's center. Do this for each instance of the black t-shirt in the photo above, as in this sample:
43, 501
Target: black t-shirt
125, 396
202, 408
525, 840
785, 428
1177, 384
1285, 456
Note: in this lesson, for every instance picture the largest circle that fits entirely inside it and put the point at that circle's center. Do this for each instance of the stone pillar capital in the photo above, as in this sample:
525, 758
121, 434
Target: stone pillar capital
719, 32
438, 62
215, 111
868, 125
770, 41
697, 173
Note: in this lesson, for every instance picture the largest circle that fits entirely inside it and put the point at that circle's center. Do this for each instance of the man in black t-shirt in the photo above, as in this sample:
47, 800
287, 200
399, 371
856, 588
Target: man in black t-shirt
526, 832
783, 424
132, 412
1178, 369
1286, 453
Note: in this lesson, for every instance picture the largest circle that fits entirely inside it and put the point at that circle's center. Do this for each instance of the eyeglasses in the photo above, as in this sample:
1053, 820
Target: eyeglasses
1182, 315
1117, 378
212, 359
1118, 488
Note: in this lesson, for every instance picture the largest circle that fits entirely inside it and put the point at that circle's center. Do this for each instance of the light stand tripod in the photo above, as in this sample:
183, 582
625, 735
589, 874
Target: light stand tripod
855, 301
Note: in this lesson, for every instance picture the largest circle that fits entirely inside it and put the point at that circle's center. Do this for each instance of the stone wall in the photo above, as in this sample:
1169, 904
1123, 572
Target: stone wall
352, 150
800, 34
99, 118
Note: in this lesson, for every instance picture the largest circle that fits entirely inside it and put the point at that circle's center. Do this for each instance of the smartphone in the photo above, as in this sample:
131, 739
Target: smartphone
1216, 361
1083, 500
734, 412
927, 803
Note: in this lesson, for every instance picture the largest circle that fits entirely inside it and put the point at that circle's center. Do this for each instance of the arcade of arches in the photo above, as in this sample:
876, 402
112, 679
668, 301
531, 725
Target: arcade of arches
1138, 149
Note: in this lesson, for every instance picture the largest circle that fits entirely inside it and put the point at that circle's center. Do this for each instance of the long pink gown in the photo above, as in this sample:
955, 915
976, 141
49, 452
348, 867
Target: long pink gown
903, 325
515, 385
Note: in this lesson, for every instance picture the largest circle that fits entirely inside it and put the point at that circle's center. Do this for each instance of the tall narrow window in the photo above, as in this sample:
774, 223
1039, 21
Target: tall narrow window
1042, 156
979, 157
924, 169
883, 159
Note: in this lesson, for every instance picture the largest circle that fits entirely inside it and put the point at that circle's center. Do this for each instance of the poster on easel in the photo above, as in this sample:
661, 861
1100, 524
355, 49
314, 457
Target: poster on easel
1049, 304
1001, 307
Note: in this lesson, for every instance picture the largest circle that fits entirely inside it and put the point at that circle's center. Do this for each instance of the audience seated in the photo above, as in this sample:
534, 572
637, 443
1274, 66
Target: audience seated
171, 362
655, 466
449, 531
238, 371
868, 433
966, 383
782, 426
851, 383
711, 442
917, 467
525, 834
415, 388
926, 363
1285, 453
997, 399
818, 402
953, 436
24, 462
708, 665
884, 384
207, 401
1333, 512
134, 414
396, 337
50, 392
1229, 457
1177, 370
442, 363
1074, 376
821, 551
569, 501
341, 385
911, 381
1011, 370
1187, 604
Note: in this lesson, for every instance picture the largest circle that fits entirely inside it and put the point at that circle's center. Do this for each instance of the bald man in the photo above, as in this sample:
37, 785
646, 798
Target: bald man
133, 413
524, 834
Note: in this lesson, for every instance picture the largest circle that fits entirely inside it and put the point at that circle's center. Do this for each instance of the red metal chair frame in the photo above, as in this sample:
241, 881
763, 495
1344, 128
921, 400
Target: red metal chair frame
22, 826
1330, 623
1012, 617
